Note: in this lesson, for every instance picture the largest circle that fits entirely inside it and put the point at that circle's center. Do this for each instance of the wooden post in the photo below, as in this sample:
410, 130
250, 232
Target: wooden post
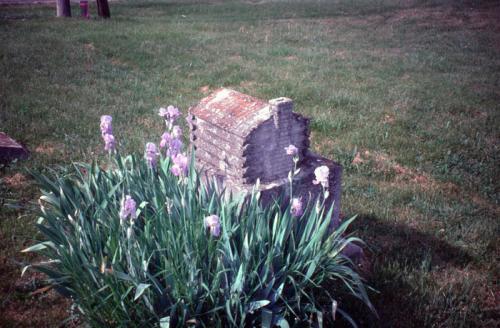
103, 8
63, 8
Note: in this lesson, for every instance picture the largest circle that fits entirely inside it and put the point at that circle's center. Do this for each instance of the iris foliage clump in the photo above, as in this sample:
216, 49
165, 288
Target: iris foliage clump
136, 244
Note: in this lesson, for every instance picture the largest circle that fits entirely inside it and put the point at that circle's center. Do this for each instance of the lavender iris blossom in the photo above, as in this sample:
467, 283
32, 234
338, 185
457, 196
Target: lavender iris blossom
212, 222
151, 154
174, 147
128, 208
107, 133
170, 114
176, 132
109, 142
291, 150
165, 140
162, 112
106, 127
173, 112
322, 174
180, 165
297, 207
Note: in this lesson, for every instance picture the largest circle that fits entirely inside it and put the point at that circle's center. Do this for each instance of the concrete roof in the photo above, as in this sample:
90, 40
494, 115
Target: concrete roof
232, 111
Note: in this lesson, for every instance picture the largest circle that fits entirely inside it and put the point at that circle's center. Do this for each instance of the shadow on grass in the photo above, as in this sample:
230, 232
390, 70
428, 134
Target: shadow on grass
401, 261
417, 249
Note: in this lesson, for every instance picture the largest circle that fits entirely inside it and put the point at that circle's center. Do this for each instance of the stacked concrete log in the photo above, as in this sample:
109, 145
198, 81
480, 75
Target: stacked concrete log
241, 140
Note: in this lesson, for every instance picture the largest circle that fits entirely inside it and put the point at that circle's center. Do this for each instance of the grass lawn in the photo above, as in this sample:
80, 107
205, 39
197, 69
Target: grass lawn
405, 95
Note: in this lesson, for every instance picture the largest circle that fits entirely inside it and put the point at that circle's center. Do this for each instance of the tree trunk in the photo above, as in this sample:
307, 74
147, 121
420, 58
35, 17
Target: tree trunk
103, 8
63, 8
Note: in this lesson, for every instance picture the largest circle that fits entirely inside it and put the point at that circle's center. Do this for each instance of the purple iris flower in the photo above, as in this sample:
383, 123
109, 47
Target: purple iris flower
291, 150
322, 174
212, 222
174, 147
109, 143
180, 166
165, 140
128, 208
151, 154
176, 132
169, 114
106, 127
297, 207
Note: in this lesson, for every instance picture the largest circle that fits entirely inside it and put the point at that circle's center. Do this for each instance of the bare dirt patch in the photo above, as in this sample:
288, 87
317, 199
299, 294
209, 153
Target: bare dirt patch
443, 16
205, 89
358, 21
384, 163
235, 58
89, 47
406, 177
45, 309
403, 175
357, 159
117, 62
16, 181
386, 52
248, 84
341, 54
486, 16
46, 149
389, 119
482, 17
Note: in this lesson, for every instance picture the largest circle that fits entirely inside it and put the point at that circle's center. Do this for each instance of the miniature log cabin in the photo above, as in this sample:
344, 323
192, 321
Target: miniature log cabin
241, 140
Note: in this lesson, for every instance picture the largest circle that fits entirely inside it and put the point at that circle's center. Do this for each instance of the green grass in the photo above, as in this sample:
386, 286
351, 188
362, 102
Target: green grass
412, 87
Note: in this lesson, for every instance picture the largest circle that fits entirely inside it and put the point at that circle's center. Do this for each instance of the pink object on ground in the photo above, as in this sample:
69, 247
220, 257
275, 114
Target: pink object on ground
84, 6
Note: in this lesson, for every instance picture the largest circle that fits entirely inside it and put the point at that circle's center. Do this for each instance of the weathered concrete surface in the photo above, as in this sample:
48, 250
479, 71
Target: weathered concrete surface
232, 111
243, 137
303, 186
10, 149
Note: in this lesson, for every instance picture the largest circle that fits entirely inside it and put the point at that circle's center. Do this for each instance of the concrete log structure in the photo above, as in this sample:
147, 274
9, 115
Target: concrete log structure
241, 139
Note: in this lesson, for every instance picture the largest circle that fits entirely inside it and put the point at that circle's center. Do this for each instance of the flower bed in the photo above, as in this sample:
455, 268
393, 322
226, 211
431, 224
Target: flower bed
145, 242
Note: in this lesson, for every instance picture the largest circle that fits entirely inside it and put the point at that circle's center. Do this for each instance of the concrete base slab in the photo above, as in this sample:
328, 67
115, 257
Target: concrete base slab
302, 186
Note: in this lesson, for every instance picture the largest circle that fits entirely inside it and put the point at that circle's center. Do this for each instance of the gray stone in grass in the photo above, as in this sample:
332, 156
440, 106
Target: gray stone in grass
354, 252
10, 149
